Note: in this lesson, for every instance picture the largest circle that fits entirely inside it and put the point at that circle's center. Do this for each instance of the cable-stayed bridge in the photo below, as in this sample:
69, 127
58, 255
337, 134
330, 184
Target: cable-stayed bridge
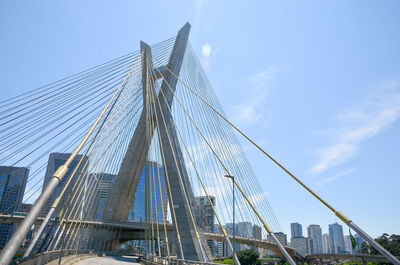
142, 137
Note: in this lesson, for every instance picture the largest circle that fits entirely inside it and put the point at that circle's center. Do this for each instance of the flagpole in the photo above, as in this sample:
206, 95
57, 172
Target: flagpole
352, 246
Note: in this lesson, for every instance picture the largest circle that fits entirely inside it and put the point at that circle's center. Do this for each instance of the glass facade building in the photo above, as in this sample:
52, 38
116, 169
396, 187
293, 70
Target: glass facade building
153, 172
103, 189
296, 230
336, 238
12, 188
55, 161
315, 234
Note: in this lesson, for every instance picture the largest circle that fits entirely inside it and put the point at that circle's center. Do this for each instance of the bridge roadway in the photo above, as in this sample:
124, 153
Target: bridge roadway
135, 230
109, 260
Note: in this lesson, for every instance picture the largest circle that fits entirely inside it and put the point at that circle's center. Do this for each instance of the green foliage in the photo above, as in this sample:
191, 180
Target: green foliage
224, 261
248, 257
364, 248
390, 243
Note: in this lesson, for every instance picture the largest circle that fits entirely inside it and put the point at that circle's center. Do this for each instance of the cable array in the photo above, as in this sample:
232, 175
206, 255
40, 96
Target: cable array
189, 146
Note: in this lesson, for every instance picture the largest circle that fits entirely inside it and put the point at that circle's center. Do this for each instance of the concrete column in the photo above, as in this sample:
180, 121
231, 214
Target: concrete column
192, 249
124, 189
125, 185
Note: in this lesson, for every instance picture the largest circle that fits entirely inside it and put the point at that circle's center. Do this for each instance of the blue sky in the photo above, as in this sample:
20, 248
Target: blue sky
316, 83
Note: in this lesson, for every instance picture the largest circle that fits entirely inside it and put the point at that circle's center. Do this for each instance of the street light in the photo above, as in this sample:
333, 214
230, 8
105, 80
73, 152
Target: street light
233, 217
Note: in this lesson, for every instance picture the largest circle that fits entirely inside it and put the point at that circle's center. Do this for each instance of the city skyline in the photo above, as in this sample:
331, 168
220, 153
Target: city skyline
315, 242
302, 75
279, 114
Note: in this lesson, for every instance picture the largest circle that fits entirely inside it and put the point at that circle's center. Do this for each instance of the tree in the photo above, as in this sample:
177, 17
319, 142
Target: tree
390, 243
248, 257
364, 248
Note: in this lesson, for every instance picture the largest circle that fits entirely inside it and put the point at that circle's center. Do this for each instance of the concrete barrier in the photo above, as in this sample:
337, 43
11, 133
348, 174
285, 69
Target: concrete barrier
54, 256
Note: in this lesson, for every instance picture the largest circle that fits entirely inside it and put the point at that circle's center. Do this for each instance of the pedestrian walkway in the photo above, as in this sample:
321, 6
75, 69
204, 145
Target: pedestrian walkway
109, 260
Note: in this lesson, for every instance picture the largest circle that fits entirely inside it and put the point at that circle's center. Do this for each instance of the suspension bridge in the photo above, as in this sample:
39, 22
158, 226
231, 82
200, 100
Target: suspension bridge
138, 148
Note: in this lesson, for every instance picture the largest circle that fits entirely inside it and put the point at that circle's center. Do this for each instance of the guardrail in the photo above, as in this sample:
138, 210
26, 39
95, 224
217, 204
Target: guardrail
51, 255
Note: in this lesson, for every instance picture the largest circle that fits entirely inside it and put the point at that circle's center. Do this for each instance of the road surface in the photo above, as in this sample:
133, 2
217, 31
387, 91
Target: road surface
109, 260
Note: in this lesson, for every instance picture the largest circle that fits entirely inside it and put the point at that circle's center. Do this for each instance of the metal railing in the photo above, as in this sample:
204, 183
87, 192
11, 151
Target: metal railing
52, 255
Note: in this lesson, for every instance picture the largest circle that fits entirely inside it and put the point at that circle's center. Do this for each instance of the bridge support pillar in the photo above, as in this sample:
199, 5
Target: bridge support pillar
125, 185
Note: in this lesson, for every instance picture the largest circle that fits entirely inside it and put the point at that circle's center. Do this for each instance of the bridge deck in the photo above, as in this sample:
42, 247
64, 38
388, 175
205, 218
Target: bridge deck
109, 260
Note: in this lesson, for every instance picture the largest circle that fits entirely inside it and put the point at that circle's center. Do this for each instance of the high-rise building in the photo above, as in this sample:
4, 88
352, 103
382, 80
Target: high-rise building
204, 213
347, 244
315, 234
326, 245
12, 188
301, 245
245, 229
229, 229
55, 161
257, 232
205, 218
336, 238
309, 245
296, 230
102, 192
219, 244
153, 172
282, 238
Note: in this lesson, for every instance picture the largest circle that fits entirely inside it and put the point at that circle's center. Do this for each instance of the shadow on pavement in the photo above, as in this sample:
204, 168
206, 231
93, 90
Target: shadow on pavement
125, 258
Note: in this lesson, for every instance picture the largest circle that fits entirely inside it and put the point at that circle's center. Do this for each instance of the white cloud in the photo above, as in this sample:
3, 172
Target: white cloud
336, 176
378, 111
251, 111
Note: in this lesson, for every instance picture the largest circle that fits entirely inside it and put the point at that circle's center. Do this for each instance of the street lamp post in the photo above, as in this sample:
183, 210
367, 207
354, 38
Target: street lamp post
233, 216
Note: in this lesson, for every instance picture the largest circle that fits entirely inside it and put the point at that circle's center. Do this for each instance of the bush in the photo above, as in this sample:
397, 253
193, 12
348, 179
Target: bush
248, 257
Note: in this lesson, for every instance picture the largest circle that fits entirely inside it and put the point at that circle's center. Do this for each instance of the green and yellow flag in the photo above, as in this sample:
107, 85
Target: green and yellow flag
353, 240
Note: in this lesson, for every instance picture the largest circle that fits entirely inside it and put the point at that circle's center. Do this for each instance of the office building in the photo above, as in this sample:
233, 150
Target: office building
229, 229
12, 188
245, 229
55, 161
282, 238
301, 244
219, 245
347, 244
257, 234
326, 245
102, 191
138, 209
204, 215
315, 234
296, 230
336, 238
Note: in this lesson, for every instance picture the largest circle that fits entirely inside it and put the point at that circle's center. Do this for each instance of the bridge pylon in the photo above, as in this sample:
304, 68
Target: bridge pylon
125, 185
